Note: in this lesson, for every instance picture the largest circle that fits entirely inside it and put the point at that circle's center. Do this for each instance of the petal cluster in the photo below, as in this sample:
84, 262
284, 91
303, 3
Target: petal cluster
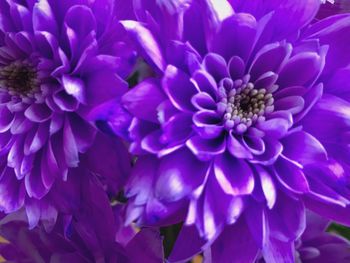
223, 125
84, 237
232, 129
58, 62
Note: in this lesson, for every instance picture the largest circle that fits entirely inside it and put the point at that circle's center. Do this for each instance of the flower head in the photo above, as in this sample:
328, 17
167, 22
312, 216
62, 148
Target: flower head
240, 128
58, 62
317, 245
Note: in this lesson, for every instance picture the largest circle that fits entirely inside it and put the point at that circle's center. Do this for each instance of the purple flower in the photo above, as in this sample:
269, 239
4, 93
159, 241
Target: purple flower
338, 7
317, 245
245, 123
94, 234
58, 64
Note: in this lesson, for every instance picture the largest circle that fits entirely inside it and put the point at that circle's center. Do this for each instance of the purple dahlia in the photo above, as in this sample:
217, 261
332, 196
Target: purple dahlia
245, 122
58, 62
317, 245
94, 234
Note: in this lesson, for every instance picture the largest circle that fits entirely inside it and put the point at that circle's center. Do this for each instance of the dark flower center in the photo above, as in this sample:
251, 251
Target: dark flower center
19, 78
241, 104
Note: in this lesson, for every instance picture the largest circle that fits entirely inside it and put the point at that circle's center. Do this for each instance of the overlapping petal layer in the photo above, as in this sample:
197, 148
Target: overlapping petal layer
58, 63
242, 125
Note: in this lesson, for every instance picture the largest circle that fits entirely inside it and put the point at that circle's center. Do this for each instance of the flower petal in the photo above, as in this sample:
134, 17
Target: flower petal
38, 112
216, 66
177, 129
179, 173
206, 149
43, 17
205, 82
142, 101
70, 146
74, 87
268, 186
333, 212
236, 36
291, 176
36, 139
304, 67
270, 58
274, 128
12, 192
334, 32
287, 219
107, 80
147, 42
237, 148
236, 244
6, 119
236, 67
65, 101
186, 248
234, 175
203, 101
273, 150
303, 148
255, 145
179, 88
293, 104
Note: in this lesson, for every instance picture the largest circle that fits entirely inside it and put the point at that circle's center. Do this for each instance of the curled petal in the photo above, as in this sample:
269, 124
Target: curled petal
203, 101
293, 104
43, 17
206, 149
74, 87
38, 113
205, 82
291, 176
270, 58
304, 67
236, 67
255, 145
274, 128
216, 66
237, 148
303, 148
273, 149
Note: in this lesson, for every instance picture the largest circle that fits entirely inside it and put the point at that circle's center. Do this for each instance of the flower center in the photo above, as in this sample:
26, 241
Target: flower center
241, 104
19, 78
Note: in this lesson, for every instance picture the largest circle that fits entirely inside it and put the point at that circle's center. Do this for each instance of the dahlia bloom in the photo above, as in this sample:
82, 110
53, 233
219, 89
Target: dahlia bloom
244, 123
317, 245
58, 62
84, 237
